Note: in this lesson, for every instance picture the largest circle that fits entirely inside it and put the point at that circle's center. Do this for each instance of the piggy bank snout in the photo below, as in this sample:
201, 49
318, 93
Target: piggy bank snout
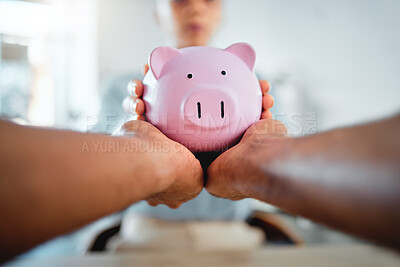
209, 108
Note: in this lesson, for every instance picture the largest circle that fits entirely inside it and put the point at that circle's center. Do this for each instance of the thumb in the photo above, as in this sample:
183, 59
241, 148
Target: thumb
267, 128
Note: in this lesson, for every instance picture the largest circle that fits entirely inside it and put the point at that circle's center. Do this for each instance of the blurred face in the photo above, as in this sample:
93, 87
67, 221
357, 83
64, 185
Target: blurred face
195, 20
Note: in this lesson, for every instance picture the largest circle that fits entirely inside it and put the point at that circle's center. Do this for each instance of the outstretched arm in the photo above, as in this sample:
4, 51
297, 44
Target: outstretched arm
347, 178
55, 181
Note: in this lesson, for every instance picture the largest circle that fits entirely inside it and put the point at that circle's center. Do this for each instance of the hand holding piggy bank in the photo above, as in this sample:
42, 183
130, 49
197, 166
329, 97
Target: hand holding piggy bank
203, 97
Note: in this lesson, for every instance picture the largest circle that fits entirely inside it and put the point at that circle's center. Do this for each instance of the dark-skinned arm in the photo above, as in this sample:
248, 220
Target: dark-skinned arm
53, 182
347, 178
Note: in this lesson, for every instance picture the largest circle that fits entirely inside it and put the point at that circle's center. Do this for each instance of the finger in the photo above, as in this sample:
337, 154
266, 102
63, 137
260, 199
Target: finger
139, 126
133, 105
265, 128
266, 115
135, 88
140, 107
174, 205
129, 104
267, 101
152, 203
141, 118
145, 69
137, 117
264, 86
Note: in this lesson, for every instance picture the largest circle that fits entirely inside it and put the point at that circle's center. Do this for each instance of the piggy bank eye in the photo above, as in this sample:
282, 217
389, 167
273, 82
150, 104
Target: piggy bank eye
223, 72
190, 76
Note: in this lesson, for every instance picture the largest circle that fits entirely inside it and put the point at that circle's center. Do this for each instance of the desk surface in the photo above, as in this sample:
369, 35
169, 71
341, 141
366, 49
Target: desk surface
346, 255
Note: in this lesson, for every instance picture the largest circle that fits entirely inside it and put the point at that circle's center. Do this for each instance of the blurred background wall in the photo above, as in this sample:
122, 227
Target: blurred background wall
338, 59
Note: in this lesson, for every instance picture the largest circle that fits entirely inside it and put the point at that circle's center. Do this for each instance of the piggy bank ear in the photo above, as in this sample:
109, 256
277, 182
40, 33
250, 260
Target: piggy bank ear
159, 57
245, 52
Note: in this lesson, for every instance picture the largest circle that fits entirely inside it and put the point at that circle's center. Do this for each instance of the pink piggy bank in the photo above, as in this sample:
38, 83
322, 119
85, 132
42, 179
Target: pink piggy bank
203, 97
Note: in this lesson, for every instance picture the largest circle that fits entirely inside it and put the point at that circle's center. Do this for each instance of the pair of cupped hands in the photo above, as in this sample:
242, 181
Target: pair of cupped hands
180, 174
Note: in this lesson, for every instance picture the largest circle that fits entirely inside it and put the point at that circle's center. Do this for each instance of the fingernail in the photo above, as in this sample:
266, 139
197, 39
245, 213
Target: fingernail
132, 88
134, 105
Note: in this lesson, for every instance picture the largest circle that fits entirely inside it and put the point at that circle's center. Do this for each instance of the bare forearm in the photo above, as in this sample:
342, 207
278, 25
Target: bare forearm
55, 181
347, 178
